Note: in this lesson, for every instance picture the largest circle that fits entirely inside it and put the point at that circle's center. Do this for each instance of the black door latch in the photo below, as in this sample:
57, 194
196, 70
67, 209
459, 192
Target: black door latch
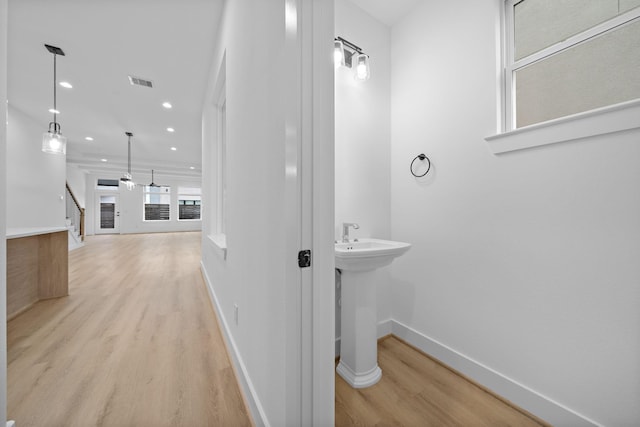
304, 258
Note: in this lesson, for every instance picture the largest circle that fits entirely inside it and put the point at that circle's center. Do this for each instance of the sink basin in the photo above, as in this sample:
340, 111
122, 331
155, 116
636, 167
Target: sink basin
368, 254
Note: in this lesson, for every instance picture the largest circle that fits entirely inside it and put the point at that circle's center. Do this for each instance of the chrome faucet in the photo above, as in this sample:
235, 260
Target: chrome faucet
345, 230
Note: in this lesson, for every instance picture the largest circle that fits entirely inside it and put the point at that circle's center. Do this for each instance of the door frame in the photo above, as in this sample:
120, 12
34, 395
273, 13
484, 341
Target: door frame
309, 203
3, 205
98, 229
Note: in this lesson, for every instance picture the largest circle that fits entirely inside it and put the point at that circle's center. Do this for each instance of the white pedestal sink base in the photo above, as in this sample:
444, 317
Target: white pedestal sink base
359, 341
359, 380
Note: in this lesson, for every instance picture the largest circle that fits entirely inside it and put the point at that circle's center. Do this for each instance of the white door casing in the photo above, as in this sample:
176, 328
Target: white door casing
107, 198
310, 210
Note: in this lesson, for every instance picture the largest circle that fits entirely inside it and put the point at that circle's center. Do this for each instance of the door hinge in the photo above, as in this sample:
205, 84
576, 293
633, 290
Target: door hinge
304, 258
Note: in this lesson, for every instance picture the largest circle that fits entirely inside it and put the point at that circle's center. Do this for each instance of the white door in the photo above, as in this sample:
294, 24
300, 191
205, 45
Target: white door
107, 214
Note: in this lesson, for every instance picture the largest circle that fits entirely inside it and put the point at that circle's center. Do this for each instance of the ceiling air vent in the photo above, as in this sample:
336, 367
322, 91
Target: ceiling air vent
140, 82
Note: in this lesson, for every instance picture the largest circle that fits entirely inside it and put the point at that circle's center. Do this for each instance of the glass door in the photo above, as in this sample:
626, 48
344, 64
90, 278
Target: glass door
108, 214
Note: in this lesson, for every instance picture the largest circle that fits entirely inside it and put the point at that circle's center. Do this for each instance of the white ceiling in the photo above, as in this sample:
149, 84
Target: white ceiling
167, 41
387, 11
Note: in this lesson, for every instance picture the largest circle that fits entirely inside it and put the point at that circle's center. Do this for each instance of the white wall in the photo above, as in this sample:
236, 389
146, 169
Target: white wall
3, 183
253, 275
131, 205
525, 262
363, 138
35, 180
77, 180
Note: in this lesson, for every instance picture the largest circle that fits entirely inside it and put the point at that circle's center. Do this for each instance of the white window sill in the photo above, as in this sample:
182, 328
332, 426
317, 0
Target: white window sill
219, 244
601, 121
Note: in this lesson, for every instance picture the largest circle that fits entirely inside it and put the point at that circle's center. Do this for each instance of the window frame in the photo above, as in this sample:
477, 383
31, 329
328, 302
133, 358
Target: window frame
115, 188
221, 154
511, 65
600, 121
179, 193
144, 196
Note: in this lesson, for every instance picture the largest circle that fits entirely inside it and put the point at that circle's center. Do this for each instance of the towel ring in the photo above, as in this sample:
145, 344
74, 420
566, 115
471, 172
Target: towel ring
421, 157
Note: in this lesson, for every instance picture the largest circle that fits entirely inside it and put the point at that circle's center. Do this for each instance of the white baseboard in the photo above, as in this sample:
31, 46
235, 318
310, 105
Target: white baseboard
519, 394
251, 397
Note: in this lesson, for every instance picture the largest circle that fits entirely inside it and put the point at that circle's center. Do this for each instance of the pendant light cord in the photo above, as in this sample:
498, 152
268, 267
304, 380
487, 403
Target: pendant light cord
55, 107
129, 167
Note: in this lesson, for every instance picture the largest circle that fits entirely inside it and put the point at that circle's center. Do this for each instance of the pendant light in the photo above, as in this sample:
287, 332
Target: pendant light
127, 179
52, 141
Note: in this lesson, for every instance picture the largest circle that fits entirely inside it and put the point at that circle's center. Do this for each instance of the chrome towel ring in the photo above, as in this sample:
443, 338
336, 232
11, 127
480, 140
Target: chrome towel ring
422, 157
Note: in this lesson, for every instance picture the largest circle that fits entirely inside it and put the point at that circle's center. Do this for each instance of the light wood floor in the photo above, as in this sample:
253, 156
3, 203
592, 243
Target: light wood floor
135, 343
415, 390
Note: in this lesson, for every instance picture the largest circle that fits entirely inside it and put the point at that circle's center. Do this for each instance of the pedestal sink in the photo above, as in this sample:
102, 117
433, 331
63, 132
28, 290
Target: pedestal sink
358, 262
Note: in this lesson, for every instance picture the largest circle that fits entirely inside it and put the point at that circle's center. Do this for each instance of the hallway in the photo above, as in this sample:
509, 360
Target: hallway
134, 344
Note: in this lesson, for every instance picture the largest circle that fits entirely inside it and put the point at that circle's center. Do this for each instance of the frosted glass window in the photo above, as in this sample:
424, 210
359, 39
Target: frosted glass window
627, 5
564, 57
603, 71
542, 23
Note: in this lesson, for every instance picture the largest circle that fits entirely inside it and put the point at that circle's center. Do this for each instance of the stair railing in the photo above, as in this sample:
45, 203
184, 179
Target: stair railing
75, 213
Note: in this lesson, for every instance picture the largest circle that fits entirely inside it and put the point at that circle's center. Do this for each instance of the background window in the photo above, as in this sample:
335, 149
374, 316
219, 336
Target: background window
567, 57
189, 201
157, 203
108, 184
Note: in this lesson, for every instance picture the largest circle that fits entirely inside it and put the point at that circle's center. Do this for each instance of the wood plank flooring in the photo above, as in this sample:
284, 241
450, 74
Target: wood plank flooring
416, 390
134, 344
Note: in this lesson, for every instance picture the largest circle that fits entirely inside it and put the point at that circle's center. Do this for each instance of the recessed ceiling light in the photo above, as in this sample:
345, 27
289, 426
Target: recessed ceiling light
103, 160
167, 105
51, 110
88, 138
171, 130
192, 168
66, 84
173, 148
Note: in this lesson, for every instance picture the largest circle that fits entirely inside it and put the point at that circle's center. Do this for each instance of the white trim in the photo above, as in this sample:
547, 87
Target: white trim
507, 85
615, 118
116, 225
219, 242
251, 396
319, 95
519, 394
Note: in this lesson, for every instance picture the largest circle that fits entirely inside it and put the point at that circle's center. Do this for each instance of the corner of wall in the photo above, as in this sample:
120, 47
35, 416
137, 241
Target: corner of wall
3, 205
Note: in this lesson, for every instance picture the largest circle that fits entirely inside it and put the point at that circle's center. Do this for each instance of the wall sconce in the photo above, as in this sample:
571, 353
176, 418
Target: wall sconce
344, 53
52, 141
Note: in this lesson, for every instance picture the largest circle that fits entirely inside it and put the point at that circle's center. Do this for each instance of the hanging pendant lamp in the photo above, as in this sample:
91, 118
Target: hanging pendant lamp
127, 179
52, 141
